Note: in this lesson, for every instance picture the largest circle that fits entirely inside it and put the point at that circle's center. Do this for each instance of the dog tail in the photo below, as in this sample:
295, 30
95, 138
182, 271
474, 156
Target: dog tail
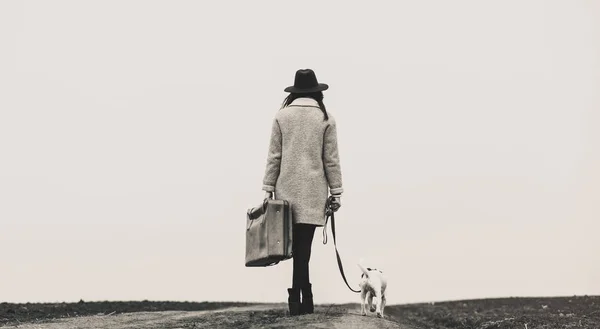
364, 270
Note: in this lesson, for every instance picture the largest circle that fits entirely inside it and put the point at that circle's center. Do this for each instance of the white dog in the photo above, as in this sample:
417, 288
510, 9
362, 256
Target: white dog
372, 285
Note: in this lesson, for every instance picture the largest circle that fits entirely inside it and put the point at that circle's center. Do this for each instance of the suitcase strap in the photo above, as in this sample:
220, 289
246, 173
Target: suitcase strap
330, 214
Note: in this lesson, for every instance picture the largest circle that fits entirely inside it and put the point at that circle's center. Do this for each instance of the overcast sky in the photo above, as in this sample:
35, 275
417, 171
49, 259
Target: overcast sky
134, 136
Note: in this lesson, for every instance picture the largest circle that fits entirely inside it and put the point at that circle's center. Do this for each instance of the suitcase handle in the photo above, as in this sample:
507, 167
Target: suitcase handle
250, 211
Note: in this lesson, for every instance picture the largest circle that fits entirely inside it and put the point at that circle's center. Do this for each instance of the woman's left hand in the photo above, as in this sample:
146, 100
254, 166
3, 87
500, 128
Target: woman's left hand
336, 203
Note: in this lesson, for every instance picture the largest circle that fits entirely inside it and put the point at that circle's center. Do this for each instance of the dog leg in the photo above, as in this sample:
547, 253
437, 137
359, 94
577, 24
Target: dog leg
378, 307
363, 310
382, 304
370, 300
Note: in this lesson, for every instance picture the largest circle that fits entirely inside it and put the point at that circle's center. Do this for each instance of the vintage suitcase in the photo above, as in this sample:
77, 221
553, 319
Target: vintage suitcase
269, 233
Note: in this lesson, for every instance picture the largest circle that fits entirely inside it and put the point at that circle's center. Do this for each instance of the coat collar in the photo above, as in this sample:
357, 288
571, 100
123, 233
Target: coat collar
305, 101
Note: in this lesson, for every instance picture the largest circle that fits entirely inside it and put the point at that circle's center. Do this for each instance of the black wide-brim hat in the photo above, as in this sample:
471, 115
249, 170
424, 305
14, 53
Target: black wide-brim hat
306, 82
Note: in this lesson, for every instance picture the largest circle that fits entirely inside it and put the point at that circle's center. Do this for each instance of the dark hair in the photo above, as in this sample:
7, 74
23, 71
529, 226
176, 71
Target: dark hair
318, 96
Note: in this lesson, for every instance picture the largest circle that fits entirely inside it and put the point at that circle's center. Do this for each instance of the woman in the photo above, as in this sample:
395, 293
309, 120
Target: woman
302, 165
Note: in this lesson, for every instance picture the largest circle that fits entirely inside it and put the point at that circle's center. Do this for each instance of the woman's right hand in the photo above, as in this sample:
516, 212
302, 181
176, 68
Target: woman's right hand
268, 195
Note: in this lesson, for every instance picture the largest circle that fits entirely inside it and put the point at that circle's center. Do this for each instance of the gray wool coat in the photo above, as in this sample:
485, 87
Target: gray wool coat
303, 161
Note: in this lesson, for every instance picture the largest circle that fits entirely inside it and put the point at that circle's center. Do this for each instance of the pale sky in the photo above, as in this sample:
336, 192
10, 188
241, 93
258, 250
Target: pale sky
134, 136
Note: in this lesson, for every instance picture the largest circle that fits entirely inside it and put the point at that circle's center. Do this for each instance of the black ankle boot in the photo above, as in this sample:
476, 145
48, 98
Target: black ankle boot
307, 306
294, 301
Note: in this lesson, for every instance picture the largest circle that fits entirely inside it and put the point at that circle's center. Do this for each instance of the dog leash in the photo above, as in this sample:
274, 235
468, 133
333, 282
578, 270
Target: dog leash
330, 214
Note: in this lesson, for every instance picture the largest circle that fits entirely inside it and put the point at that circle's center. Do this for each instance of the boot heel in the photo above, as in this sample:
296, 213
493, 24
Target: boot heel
307, 306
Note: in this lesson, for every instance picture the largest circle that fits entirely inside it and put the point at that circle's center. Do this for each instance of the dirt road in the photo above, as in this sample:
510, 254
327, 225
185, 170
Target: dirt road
499, 313
256, 316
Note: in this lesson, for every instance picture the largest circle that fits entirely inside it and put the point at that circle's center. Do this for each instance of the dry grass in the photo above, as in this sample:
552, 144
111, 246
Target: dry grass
11, 313
505, 313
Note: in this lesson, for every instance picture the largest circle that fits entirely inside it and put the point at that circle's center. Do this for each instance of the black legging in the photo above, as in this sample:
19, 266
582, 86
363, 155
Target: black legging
301, 246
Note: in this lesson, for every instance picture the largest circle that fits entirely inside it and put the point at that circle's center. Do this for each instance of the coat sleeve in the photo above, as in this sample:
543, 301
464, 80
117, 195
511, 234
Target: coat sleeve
273, 159
331, 159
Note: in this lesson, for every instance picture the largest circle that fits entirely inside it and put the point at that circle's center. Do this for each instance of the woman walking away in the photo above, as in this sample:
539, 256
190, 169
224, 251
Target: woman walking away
302, 165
